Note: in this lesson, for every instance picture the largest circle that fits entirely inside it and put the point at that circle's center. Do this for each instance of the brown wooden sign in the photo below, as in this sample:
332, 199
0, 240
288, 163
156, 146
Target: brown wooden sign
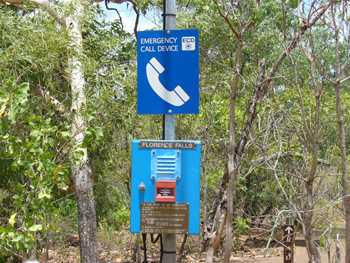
288, 243
164, 218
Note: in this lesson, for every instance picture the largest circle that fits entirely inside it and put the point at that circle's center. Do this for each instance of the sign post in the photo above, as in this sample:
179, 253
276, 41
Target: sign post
288, 243
169, 240
165, 202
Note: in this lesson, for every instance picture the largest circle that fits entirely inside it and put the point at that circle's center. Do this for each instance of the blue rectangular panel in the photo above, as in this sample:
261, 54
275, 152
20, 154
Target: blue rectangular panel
180, 164
168, 72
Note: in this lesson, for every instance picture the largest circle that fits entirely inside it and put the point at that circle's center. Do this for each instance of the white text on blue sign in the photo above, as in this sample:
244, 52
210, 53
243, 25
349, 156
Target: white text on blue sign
165, 44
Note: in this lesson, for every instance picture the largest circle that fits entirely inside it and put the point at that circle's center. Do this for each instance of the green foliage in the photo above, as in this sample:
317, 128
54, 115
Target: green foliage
294, 3
28, 162
30, 53
35, 140
242, 225
16, 98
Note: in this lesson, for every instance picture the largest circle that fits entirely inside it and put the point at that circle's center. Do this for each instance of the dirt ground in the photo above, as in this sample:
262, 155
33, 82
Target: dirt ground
124, 252
300, 256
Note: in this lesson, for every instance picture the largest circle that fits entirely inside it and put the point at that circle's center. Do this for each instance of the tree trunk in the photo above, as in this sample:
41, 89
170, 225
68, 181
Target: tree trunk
81, 171
344, 174
86, 213
314, 254
342, 136
337, 250
214, 239
258, 96
233, 161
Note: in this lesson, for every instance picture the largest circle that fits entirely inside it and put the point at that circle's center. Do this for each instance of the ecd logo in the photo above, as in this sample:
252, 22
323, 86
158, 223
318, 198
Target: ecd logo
188, 43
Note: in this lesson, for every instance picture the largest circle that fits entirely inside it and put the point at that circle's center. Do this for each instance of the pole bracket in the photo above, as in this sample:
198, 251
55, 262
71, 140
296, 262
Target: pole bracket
169, 252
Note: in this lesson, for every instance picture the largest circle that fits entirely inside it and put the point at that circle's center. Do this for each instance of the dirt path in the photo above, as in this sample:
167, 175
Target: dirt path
125, 251
300, 256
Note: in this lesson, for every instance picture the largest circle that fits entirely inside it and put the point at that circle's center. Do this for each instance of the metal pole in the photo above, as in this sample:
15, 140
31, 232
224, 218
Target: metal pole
169, 23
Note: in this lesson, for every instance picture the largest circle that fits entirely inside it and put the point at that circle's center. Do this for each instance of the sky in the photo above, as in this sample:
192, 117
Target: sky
129, 17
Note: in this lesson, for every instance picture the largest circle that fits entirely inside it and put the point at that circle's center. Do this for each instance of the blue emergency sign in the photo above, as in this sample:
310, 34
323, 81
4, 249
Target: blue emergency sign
168, 72
165, 175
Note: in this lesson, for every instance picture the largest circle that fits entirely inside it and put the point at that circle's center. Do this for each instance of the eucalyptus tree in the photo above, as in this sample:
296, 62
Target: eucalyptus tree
81, 172
249, 22
333, 64
33, 138
296, 163
71, 17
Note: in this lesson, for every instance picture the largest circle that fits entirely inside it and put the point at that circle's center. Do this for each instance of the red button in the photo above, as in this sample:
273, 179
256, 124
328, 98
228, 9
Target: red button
165, 191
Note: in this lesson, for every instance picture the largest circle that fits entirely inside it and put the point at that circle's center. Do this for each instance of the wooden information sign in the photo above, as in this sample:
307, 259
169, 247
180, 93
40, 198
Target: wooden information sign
164, 218
288, 243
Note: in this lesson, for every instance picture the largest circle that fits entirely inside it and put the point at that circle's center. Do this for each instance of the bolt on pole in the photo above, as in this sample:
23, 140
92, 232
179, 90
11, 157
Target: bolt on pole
169, 23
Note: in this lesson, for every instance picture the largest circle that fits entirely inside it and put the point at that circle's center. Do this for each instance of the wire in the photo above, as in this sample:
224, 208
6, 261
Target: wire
144, 238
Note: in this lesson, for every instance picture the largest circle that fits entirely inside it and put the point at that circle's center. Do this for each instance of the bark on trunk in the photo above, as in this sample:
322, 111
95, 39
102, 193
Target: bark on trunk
81, 171
214, 239
342, 135
213, 210
344, 174
233, 162
337, 250
314, 254
235, 158
86, 213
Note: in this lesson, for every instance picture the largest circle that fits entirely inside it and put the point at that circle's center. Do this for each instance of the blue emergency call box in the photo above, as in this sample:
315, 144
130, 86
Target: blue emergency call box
165, 187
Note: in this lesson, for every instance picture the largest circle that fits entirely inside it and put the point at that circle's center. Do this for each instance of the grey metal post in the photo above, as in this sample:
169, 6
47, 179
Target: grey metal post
169, 23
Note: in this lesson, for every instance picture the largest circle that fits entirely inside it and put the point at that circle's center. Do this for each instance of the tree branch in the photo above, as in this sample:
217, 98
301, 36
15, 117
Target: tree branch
137, 16
45, 5
134, 5
45, 94
115, 9
227, 21
17, 255
344, 80
293, 44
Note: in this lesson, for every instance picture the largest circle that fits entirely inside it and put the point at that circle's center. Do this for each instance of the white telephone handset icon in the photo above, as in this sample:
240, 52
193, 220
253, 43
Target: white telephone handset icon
177, 97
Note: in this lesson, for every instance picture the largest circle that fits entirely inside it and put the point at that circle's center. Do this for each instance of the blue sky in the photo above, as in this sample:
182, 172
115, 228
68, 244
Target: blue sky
129, 17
